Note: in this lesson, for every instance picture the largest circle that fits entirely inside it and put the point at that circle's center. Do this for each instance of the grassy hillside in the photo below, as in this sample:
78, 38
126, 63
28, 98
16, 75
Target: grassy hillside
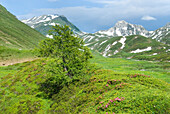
155, 69
125, 47
10, 56
16, 34
124, 87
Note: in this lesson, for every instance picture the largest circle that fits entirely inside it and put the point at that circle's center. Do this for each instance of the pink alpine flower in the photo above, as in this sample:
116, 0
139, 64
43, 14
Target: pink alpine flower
117, 98
111, 100
101, 102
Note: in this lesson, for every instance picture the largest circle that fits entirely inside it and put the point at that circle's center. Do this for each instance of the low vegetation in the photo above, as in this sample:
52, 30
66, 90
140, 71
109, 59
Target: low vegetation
63, 82
112, 47
31, 90
10, 56
15, 34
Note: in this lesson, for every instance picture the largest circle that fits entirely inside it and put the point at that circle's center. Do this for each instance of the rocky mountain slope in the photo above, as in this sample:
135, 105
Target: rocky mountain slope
16, 34
130, 41
125, 46
44, 23
122, 28
162, 34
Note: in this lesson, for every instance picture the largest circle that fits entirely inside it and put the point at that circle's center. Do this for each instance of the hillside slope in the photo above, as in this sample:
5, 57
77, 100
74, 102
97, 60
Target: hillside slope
123, 28
127, 46
101, 92
162, 34
44, 23
16, 34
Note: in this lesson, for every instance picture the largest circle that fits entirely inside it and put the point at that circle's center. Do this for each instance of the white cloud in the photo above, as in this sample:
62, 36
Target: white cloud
108, 12
148, 18
103, 1
53, 0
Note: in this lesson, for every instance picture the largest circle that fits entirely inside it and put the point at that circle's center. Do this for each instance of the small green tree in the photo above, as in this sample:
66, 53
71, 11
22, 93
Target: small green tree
68, 48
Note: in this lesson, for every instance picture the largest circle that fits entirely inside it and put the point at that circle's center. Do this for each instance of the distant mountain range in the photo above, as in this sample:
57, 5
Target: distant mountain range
122, 28
130, 41
122, 40
15, 34
44, 23
162, 34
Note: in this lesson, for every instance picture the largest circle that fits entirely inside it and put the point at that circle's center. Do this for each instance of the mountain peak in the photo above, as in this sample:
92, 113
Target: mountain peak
123, 28
168, 25
39, 19
43, 23
122, 22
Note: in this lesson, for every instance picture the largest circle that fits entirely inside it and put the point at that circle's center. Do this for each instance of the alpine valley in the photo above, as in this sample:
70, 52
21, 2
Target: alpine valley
123, 40
128, 73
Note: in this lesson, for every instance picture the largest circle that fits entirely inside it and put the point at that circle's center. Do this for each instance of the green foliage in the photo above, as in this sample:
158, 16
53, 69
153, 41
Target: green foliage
34, 90
27, 104
108, 91
69, 51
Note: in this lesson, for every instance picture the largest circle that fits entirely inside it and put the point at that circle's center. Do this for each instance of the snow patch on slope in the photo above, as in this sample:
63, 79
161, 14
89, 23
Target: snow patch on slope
114, 43
116, 52
103, 42
88, 44
91, 37
54, 16
106, 50
49, 36
141, 50
106, 32
94, 46
122, 41
53, 24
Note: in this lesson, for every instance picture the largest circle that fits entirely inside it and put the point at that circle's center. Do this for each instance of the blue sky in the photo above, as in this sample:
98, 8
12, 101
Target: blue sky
94, 15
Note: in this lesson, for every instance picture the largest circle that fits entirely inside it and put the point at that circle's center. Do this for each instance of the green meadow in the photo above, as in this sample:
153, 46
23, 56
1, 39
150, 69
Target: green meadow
113, 85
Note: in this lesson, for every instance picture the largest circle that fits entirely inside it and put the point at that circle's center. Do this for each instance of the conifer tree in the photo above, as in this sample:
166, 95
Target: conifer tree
68, 47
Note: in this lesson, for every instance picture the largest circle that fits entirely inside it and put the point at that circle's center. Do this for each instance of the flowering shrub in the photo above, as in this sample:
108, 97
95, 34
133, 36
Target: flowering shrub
104, 93
138, 75
112, 102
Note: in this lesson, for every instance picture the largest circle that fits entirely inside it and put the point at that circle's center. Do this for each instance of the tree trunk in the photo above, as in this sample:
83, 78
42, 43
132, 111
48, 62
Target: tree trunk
65, 68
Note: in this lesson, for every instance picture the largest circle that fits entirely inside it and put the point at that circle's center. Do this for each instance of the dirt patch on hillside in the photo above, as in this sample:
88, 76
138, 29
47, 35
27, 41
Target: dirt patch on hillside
15, 61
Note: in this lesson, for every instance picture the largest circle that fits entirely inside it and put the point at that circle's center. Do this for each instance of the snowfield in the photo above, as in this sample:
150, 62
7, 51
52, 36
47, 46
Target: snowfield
103, 42
141, 50
122, 41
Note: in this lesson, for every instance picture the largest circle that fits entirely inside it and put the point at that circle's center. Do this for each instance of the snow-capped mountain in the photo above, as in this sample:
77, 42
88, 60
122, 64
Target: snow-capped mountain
43, 23
40, 19
162, 34
122, 28
128, 40
126, 46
